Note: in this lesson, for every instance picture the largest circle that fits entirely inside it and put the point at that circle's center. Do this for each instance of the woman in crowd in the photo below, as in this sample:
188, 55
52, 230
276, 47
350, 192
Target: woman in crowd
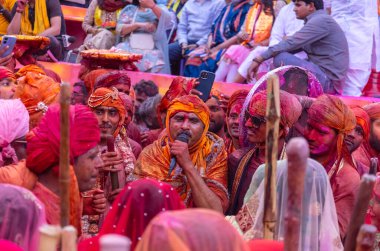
142, 28
21, 215
255, 32
223, 34
133, 209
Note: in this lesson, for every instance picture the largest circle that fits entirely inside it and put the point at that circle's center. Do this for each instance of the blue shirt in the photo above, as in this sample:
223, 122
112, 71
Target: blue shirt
196, 20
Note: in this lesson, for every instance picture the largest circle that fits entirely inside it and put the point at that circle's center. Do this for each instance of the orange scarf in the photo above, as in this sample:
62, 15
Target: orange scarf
258, 24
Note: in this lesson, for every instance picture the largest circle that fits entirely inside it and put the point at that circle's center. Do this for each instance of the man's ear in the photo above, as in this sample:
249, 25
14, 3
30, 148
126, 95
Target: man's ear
312, 6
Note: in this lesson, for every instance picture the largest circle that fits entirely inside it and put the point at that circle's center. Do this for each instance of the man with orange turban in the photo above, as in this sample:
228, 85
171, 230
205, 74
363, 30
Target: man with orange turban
199, 173
371, 147
40, 171
234, 109
328, 124
37, 92
110, 112
7, 83
91, 77
243, 163
118, 79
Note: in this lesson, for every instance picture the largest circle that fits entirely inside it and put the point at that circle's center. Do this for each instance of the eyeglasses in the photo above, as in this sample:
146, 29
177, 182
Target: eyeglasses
256, 120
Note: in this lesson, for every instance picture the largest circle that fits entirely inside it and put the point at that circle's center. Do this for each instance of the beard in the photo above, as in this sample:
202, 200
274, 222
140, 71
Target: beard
216, 127
374, 142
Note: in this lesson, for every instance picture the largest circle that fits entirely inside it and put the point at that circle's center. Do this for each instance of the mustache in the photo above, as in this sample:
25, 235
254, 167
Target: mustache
105, 125
188, 133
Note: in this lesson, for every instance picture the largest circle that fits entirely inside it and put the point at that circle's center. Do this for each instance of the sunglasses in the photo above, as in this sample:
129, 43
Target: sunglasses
256, 120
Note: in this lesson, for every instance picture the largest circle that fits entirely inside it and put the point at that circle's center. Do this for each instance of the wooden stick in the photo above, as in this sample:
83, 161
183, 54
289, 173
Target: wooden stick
69, 239
114, 176
114, 242
49, 237
271, 155
360, 210
373, 167
297, 152
366, 238
64, 160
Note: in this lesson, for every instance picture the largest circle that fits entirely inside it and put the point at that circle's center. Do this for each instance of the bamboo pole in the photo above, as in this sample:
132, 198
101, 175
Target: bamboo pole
297, 152
271, 155
69, 238
360, 210
373, 167
49, 237
366, 238
64, 160
114, 242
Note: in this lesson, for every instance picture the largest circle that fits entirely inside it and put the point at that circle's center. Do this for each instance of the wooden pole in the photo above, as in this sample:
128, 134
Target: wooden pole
114, 242
366, 238
69, 239
360, 211
373, 167
64, 160
271, 155
297, 152
49, 237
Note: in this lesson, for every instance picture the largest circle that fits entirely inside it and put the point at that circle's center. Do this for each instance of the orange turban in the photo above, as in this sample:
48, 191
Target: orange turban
29, 68
363, 120
291, 108
373, 110
90, 78
189, 103
237, 97
112, 78
5, 72
109, 98
332, 112
37, 92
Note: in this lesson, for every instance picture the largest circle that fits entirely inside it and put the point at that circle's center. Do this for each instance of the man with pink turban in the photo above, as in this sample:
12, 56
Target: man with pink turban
329, 123
243, 163
40, 171
14, 125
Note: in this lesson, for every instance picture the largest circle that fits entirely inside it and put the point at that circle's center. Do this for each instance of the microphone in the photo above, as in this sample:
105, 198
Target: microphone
184, 137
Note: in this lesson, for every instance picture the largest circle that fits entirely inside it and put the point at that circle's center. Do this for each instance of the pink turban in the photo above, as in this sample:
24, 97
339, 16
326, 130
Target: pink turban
44, 140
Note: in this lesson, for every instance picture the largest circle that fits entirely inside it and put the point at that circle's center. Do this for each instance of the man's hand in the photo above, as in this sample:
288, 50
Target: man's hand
99, 201
112, 196
180, 150
252, 71
21, 6
4, 61
186, 47
110, 161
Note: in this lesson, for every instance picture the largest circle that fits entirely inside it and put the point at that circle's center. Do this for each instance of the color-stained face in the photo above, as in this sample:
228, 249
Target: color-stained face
322, 139
354, 138
123, 88
256, 128
108, 119
302, 9
86, 169
7, 88
233, 120
217, 115
78, 97
187, 122
374, 138
139, 99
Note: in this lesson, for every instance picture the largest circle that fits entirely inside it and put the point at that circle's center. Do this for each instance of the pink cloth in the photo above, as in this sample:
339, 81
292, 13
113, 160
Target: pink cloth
237, 54
21, 213
14, 124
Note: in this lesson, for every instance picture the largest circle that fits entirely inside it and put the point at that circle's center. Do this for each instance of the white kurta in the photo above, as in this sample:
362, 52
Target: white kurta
359, 21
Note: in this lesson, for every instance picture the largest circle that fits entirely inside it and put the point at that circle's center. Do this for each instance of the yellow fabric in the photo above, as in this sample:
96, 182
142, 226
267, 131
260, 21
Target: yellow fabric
258, 24
98, 21
8, 5
41, 22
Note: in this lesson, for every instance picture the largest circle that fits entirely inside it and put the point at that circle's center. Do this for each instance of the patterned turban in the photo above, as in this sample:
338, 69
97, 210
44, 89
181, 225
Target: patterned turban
5, 72
113, 78
189, 103
373, 110
29, 68
91, 77
363, 120
290, 107
14, 124
44, 140
37, 92
109, 98
238, 97
332, 112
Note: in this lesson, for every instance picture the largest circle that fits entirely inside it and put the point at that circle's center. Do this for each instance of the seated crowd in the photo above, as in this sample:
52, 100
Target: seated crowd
165, 170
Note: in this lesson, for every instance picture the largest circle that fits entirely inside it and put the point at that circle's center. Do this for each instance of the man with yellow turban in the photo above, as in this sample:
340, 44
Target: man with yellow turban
243, 163
329, 122
110, 112
200, 172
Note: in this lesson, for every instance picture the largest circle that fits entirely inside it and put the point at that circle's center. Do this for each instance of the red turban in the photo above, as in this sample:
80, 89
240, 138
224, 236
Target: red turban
112, 78
363, 120
5, 72
109, 98
291, 108
91, 77
44, 140
238, 97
